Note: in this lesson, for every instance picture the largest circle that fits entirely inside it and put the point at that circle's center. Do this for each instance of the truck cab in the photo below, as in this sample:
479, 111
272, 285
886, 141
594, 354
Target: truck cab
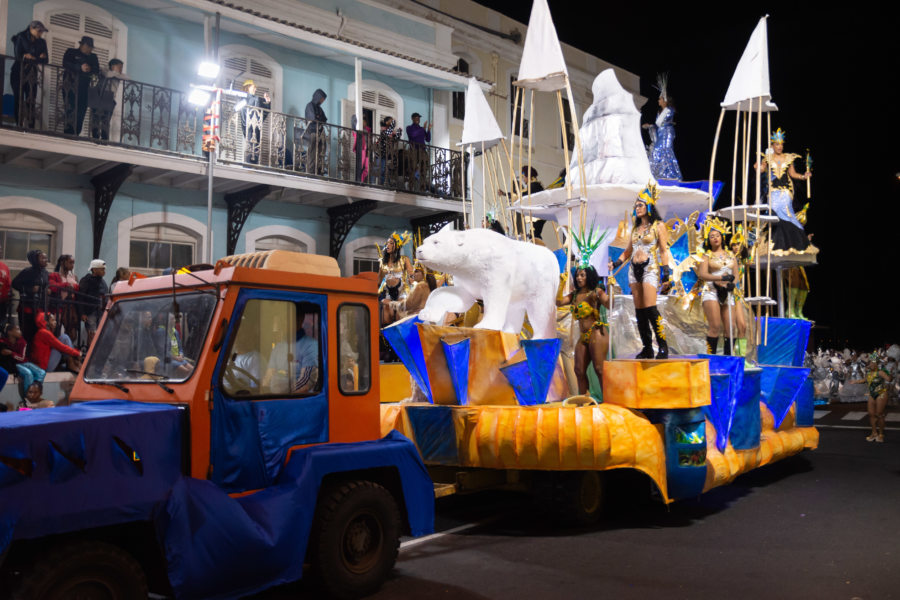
267, 363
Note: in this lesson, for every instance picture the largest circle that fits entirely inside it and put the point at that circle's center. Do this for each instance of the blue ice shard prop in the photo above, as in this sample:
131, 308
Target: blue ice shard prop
403, 337
726, 375
560, 255
787, 342
457, 355
779, 386
541, 356
520, 379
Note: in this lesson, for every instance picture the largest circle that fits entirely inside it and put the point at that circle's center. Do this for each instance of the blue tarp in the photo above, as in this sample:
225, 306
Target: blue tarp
87, 465
222, 547
434, 432
787, 340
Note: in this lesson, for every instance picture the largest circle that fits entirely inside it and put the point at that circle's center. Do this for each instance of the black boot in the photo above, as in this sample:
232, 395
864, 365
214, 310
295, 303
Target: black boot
643, 325
726, 345
712, 344
655, 320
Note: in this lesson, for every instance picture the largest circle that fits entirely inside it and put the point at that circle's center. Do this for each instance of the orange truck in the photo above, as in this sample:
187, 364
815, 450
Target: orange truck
224, 432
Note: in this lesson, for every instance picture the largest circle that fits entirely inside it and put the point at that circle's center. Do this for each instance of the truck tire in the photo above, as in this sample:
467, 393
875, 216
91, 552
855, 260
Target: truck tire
581, 497
89, 570
356, 539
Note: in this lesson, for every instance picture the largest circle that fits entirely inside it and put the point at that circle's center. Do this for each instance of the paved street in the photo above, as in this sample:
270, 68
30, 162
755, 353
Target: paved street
824, 524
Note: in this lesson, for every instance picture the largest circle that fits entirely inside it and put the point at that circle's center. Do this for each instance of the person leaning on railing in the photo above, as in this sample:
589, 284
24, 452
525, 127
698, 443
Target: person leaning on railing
30, 51
81, 68
253, 113
315, 137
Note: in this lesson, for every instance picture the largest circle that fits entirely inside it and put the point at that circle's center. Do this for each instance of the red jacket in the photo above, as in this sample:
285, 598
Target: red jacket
44, 341
5, 283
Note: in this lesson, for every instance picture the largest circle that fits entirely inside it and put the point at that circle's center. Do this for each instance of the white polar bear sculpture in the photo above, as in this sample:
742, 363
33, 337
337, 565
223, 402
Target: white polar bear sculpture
511, 277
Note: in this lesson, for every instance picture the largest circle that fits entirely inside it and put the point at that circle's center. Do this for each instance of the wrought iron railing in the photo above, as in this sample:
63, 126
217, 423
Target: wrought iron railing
52, 100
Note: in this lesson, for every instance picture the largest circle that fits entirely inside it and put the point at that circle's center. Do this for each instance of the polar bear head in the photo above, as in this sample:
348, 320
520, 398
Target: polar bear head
444, 251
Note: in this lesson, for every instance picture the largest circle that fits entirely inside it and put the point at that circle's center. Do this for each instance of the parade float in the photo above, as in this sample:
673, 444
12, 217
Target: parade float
494, 405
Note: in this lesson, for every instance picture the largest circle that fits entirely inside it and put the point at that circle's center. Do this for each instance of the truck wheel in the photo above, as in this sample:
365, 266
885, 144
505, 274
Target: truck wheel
581, 498
86, 570
357, 539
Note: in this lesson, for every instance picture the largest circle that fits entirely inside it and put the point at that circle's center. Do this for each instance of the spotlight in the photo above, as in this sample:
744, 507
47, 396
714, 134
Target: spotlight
198, 97
208, 69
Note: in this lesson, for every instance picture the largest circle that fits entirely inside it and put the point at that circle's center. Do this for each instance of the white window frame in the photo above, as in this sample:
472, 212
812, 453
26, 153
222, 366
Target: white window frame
174, 235
254, 235
371, 85
240, 50
191, 227
65, 222
351, 247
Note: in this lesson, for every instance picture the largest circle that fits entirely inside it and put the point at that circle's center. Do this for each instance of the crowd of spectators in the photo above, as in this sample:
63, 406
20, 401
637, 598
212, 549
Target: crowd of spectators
839, 375
50, 325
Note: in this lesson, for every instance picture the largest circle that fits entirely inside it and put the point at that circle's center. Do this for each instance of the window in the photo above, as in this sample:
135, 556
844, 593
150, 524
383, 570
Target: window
354, 362
155, 248
365, 260
280, 242
459, 98
517, 113
236, 69
276, 351
21, 233
152, 339
570, 131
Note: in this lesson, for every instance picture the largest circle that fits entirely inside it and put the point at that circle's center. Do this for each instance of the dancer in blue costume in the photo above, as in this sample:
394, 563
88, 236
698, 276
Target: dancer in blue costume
663, 164
788, 234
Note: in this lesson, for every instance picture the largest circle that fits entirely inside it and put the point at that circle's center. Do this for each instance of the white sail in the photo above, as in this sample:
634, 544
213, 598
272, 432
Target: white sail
543, 66
479, 126
751, 78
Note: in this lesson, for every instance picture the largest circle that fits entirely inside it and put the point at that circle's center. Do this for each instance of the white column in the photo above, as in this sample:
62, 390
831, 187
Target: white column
357, 110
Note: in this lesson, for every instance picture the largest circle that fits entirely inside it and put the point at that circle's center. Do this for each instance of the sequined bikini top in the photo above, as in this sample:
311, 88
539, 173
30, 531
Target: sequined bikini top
646, 242
583, 310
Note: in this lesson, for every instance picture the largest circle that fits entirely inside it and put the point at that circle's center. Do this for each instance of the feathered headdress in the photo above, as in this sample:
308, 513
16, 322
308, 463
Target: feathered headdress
586, 243
650, 194
713, 223
662, 85
777, 136
401, 238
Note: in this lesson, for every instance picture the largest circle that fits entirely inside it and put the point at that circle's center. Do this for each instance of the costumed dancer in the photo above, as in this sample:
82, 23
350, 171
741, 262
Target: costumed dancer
718, 271
663, 164
649, 237
588, 304
877, 379
394, 272
788, 233
742, 258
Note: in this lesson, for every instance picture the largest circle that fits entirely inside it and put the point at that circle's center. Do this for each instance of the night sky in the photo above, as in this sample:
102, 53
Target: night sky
834, 76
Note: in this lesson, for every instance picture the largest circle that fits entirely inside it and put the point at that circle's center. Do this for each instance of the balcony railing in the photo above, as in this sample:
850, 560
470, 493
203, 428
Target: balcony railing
135, 114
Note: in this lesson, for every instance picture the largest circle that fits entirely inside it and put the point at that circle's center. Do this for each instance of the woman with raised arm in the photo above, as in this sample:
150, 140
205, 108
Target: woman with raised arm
648, 249
788, 233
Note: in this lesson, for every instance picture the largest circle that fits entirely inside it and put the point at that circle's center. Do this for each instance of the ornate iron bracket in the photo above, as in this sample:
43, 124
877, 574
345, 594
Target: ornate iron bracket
240, 205
342, 218
106, 185
424, 226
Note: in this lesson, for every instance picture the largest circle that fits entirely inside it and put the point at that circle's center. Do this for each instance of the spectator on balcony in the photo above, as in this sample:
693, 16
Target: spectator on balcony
253, 113
387, 148
81, 69
418, 137
30, 52
103, 99
93, 291
31, 283
316, 136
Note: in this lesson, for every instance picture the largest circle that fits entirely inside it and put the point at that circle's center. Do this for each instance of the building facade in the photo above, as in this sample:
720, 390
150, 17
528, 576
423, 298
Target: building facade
129, 181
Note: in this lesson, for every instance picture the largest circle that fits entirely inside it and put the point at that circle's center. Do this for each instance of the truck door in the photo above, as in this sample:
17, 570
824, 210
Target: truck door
269, 386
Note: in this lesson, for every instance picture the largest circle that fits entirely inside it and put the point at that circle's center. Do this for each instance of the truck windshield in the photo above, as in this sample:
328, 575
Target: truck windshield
151, 339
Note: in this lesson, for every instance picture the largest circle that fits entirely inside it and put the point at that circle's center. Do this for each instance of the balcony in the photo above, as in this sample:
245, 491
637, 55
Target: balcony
253, 142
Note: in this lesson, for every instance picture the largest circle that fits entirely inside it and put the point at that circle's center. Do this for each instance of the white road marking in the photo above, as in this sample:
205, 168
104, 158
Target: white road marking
451, 531
854, 415
818, 414
892, 417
